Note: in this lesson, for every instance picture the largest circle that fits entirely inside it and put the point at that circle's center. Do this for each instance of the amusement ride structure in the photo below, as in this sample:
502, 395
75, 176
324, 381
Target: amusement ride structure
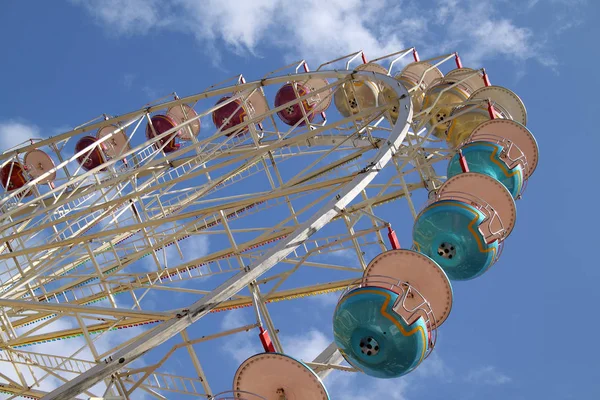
277, 175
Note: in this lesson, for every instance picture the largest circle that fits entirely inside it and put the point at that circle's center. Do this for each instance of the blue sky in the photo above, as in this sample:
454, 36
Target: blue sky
509, 334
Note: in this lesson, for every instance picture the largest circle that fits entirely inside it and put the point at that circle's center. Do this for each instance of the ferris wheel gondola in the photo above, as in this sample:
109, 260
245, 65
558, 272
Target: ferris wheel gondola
274, 376
322, 96
495, 102
418, 77
502, 149
359, 95
469, 79
386, 326
294, 113
13, 177
117, 144
182, 113
92, 158
37, 164
158, 125
463, 227
230, 115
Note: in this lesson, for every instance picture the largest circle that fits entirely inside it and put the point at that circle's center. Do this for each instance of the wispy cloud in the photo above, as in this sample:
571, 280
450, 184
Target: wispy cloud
307, 345
72, 347
326, 300
127, 17
487, 375
150, 92
60, 348
239, 346
14, 132
484, 32
377, 26
303, 346
128, 80
434, 366
350, 386
243, 26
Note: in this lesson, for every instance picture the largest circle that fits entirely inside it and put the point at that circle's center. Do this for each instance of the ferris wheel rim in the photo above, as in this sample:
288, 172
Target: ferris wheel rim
345, 195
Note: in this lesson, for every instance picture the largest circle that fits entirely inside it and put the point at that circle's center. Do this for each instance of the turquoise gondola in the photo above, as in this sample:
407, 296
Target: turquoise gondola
374, 338
484, 158
447, 231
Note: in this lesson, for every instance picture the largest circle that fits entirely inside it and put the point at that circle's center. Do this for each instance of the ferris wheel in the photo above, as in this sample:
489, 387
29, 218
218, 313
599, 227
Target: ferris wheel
104, 228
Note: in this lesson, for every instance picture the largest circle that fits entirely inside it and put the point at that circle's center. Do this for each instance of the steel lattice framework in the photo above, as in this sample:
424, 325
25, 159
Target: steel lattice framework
90, 252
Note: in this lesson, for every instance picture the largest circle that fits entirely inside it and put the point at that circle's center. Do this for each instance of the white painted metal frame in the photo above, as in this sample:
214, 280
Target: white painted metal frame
168, 329
82, 200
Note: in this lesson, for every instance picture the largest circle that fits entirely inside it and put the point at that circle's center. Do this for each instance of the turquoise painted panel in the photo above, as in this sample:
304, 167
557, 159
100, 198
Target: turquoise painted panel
373, 338
447, 231
483, 158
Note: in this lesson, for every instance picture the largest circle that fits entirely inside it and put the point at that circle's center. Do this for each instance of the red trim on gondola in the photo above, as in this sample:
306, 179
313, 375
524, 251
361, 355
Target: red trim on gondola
265, 339
463, 162
458, 60
491, 110
393, 239
486, 79
416, 55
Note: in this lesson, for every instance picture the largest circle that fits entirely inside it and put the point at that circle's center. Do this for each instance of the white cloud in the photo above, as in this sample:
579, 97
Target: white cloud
351, 22
46, 385
239, 346
351, 386
195, 246
478, 28
305, 346
59, 348
487, 375
72, 347
328, 300
243, 26
435, 367
150, 92
127, 16
319, 30
13, 132
345, 254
